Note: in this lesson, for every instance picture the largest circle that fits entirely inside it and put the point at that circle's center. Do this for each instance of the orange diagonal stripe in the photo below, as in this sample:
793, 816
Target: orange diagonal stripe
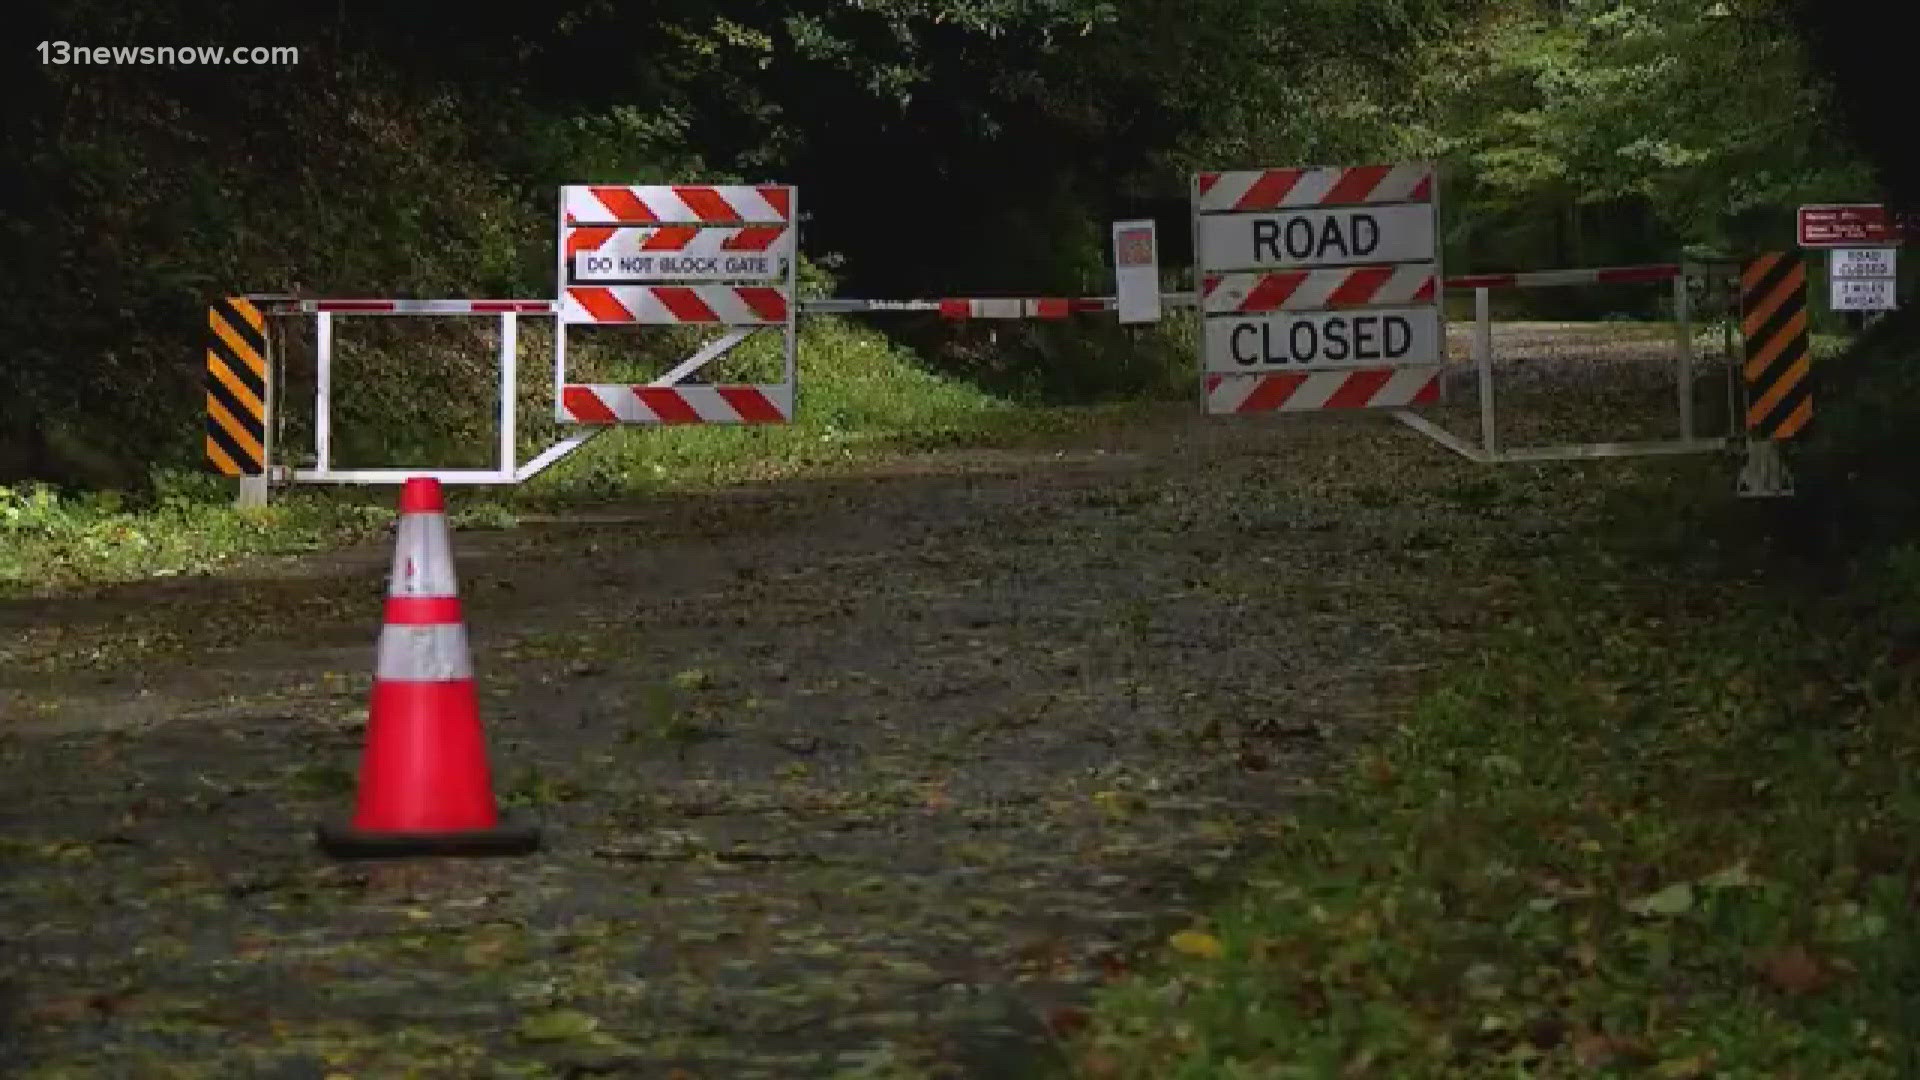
240, 348
1757, 270
220, 459
241, 394
235, 430
1788, 287
1787, 381
245, 309
1770, 351
1795, 420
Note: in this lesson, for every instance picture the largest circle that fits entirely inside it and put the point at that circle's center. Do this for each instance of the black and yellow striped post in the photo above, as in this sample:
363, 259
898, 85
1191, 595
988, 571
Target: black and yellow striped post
1778, 366
237, 387
1773, 320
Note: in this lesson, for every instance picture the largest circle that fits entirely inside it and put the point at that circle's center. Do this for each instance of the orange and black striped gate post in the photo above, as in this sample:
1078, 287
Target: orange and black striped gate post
237, 394
1778, 365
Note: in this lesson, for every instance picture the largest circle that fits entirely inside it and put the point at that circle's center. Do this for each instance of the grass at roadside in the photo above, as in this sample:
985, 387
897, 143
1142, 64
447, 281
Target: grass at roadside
51, 541
861, 399
1666, 823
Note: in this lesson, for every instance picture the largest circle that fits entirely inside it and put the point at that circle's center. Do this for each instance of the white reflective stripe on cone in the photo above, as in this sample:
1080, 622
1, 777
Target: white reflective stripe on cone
423, 654
423, 558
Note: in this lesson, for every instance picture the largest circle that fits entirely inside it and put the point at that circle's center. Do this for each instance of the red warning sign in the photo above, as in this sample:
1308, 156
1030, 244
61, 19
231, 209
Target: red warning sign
1846, 225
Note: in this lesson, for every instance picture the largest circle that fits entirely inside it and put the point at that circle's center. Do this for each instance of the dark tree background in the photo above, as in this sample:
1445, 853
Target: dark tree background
941, 147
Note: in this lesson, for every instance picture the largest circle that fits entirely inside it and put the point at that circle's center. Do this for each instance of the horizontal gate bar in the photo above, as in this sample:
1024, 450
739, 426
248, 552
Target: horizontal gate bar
979, 307
1582, 451
401, 476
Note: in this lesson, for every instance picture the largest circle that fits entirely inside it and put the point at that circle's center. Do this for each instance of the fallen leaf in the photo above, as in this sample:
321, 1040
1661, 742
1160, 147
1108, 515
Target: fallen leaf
559, 1025
1733, 877
61, 1010
1380, 771
1795, 971
1068, 1021
1587, 955
1597, 1050
1197, 943
1687, 1068
1849, 923
1675, 899
1546, 1032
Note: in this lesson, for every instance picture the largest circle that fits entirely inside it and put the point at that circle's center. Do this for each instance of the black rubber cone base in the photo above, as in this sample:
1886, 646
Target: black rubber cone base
507, 839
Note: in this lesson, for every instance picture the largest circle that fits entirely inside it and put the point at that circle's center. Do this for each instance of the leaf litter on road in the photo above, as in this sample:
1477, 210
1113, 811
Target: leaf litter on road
905, 792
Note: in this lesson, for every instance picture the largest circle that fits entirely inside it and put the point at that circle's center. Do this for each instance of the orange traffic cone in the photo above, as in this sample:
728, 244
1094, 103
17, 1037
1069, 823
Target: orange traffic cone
425, 788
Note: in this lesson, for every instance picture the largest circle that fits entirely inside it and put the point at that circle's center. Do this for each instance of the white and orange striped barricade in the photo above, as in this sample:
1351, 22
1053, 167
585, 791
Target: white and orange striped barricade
425, 786
1319, 288
719, 255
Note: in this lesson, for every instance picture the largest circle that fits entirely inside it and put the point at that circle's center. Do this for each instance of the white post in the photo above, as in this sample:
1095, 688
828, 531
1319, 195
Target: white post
323, 391
509, 391
790, 357
1483, 357
1199, 292
1730, 314
1684, 361
707, 352
559, 362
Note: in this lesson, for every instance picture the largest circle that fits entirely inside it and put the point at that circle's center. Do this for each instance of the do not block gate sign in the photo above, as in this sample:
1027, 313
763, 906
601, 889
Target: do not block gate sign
1319, 288
718, 255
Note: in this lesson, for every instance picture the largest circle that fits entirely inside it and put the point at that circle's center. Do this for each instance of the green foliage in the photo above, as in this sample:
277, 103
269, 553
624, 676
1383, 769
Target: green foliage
1661, 822
943, 147
158, 206
860, 397
864, 399
49, 541
1572, 124
1855, 467
377, 168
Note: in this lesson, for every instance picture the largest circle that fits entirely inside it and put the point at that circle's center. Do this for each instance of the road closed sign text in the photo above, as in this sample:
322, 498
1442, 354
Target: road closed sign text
1863, 294
1329, 269
1374, 337
1301, 238
1862, 262
1862, 279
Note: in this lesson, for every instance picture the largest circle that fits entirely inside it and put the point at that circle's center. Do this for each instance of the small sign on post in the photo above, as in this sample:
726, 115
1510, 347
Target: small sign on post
1136, 271
1862, 279
1846, 225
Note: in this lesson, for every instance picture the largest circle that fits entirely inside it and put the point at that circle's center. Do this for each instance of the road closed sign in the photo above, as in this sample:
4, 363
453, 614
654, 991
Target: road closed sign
1304, 238
1862, 262
1373, 337
1332, 269
1862, 279
1863, 294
